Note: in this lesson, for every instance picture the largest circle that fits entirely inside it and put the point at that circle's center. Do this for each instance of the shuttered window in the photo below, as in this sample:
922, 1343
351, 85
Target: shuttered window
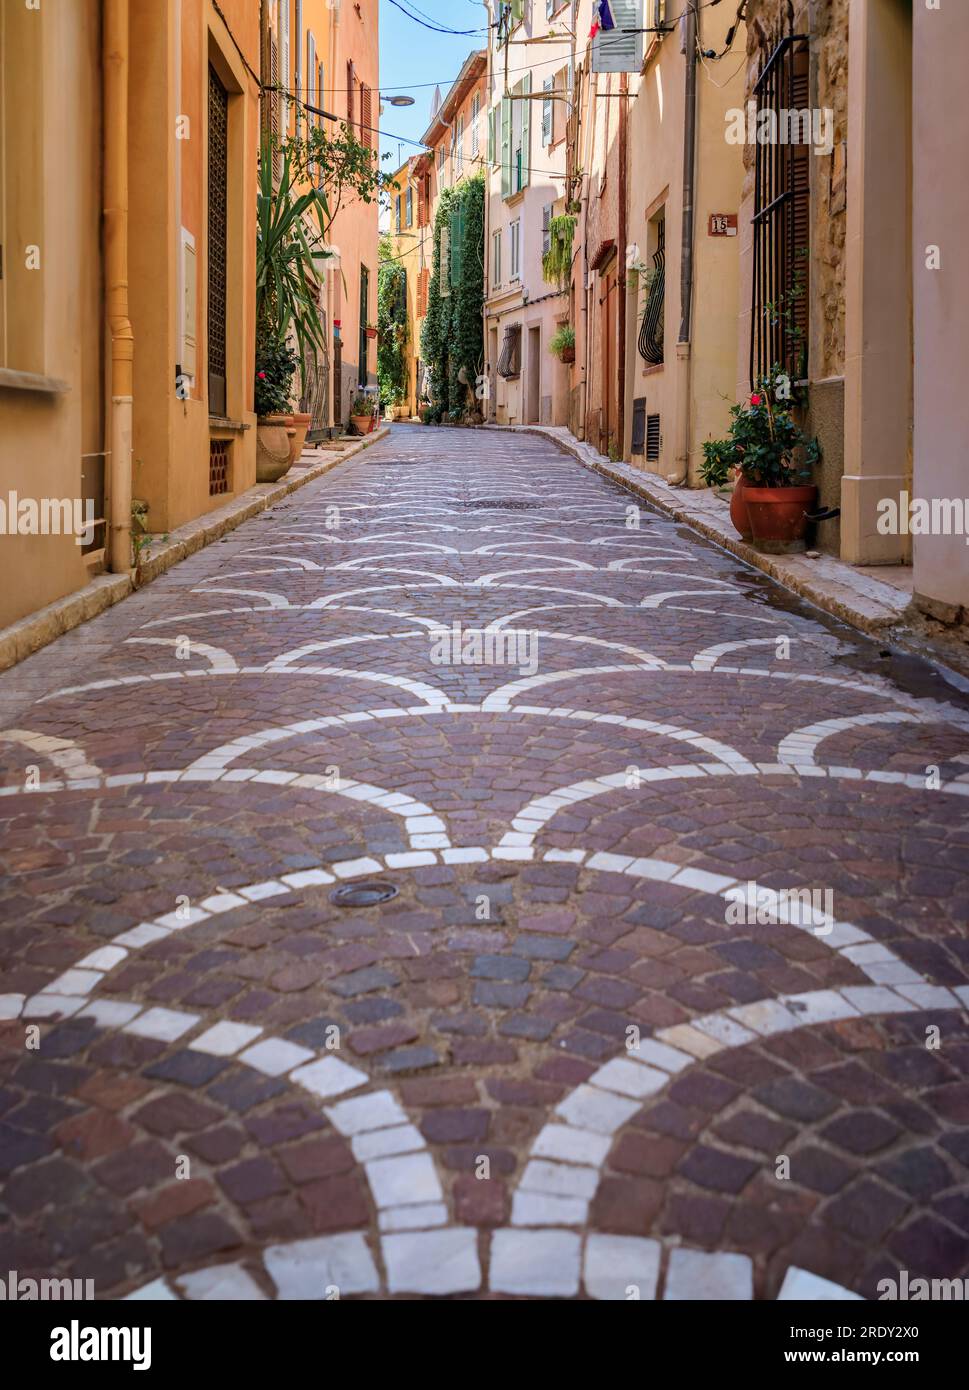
781, 226
444, 250
457, 244
217, 240
366, 116
496, 259
546, 229
475, 122
548, 86
351, 83
409, 202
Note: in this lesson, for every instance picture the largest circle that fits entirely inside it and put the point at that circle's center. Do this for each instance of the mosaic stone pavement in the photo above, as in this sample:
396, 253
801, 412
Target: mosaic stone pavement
589, 1046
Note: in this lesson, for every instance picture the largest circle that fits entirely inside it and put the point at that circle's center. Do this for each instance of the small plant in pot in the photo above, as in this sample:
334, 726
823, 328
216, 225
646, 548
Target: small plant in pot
562, 344
774, 459
362, 414
275, 367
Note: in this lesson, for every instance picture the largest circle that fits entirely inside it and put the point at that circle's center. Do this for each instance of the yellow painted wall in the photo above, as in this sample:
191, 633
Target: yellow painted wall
50, 64
406, 248
656, 178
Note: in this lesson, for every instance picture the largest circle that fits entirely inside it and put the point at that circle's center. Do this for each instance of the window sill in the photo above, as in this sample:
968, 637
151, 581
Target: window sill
219, 422
513, 199
11, 380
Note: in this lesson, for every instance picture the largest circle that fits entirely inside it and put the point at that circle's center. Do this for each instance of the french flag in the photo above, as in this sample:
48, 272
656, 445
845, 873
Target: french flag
603, 18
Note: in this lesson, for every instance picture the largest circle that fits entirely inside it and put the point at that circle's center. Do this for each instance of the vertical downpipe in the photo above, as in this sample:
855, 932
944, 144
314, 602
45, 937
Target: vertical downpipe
623, 273
686, 251
115, 188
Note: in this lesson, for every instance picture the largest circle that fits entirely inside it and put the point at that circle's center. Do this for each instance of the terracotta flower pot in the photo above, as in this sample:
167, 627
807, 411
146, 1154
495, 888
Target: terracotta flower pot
363, 424
777, 514
302, 421
738, 508
272, 448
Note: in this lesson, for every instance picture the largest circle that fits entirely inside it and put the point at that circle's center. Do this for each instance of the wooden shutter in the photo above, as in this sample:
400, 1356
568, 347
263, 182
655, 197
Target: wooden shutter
457, 243
526, 130
506, 147
366, 116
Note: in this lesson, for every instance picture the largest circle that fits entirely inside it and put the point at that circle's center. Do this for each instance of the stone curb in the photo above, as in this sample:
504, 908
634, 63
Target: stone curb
837, 588
36, 630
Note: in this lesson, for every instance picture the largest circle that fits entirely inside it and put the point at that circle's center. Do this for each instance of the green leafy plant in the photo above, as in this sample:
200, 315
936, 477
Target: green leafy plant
289, 241
563, 339
452, 339
557, 261
719, 459
765, 441
363, 405
276, 364
392, 332
337, 165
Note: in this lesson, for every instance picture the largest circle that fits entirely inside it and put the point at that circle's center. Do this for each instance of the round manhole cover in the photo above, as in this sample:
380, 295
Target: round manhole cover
365, 894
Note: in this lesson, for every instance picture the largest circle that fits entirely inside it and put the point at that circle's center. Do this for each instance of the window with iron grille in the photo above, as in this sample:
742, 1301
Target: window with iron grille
654, 438
510, 361
781, 216
217, 238
652, 327
220, 477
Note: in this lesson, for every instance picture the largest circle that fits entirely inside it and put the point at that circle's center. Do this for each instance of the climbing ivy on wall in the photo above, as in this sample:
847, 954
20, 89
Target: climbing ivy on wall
452, 342
392, 332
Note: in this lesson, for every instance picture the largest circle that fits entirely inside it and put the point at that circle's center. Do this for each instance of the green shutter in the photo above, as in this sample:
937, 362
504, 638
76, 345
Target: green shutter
457, 243
491, 136
505, 147
526, 130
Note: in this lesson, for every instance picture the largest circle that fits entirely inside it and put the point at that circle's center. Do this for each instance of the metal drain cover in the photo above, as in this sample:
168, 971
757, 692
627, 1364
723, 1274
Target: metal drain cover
365, 894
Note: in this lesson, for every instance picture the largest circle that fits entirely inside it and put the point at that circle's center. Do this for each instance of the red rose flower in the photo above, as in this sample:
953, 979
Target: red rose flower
262, 376
756, 400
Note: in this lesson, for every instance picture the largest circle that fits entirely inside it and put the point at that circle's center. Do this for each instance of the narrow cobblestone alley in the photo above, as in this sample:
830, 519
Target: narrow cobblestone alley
330, 963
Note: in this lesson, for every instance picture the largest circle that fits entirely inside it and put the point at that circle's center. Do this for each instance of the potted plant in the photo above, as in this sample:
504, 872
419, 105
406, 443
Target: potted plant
275, 366
371, 330
719, 466
288, 250
562, 344
775, 459
362, 414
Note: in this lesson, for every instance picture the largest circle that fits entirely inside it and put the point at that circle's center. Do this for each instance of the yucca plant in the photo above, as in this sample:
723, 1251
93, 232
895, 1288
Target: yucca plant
286, 254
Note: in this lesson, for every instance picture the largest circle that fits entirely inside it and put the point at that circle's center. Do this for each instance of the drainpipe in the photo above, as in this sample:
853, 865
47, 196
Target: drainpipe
683, 364
623, 272
115, 190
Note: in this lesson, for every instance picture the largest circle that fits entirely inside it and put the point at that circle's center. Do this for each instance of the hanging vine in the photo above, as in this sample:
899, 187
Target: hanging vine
452, 342
392, 332
557, 261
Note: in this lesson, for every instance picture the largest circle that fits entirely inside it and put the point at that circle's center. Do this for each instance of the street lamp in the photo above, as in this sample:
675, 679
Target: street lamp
398, 100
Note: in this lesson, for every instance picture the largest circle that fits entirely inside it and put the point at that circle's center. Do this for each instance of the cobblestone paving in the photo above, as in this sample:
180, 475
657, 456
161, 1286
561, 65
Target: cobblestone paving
217, 1080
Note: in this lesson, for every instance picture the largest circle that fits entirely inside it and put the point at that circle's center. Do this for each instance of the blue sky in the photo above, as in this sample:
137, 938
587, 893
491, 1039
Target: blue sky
412, 55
